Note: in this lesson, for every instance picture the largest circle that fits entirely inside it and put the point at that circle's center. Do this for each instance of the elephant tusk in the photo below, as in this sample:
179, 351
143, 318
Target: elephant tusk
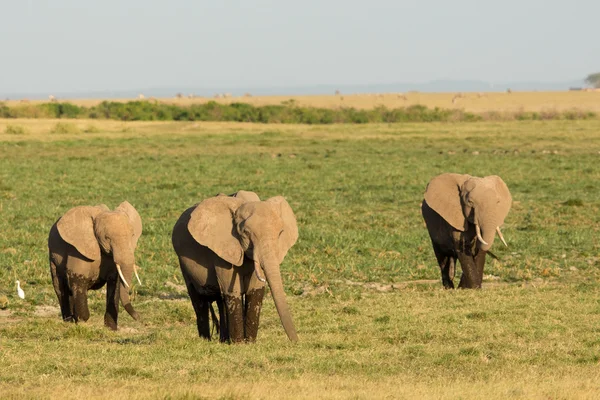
501, 237
122, 277
479, 234
260, 278
135, 268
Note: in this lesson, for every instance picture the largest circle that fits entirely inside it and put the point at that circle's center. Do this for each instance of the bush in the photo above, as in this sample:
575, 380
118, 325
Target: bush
91, 129
15, 130
5, 111
62, 110
65, 127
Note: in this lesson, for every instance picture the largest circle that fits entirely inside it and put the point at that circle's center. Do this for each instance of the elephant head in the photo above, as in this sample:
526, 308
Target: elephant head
94, 230
464, 199
264, 231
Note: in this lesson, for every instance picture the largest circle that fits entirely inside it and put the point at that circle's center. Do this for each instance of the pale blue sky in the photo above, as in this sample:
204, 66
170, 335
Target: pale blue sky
79, 45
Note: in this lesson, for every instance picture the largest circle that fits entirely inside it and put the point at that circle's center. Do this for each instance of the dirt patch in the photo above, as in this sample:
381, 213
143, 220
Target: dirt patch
7, 318
128, 330
489, 282
46, 311
387, 287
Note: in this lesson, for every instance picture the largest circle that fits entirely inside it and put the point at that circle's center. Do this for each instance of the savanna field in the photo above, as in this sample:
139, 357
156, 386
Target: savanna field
362, 282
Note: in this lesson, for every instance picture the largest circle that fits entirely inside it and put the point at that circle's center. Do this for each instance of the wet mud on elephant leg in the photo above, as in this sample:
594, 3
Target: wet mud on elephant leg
252, 306
235, 317
479, 264
472, 267
80, 302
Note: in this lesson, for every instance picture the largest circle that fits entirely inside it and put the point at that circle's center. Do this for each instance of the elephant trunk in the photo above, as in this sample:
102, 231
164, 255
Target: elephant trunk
125, 269
273, 275
486, 229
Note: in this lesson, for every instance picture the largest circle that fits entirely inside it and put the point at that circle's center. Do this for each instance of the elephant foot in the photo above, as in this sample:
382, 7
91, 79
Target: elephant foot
448, 285
110, 322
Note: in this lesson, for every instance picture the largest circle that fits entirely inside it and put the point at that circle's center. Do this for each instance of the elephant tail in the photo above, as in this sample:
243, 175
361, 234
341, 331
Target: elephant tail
215, 320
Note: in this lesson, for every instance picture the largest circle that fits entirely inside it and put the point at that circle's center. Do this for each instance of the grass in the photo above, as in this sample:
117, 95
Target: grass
470, 102
362, 283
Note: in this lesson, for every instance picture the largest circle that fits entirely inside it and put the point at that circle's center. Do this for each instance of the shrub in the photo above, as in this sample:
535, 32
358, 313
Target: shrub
62, 110
65, 127
15, 130
5, 111
91, 129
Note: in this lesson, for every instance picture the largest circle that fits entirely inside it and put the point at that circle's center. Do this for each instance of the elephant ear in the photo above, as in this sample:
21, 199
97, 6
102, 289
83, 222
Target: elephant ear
211, 225
504, 197
443, 196
134, 219
76, 227
246, 196
289, 235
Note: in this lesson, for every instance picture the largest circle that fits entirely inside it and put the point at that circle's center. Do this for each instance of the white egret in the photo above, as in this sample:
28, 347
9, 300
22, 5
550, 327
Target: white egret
20, 291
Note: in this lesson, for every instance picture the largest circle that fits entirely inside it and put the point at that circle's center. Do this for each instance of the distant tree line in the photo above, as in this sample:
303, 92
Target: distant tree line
287, 112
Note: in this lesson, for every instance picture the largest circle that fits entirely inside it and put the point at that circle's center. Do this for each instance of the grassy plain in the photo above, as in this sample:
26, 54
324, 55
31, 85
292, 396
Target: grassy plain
471, 102
362, 283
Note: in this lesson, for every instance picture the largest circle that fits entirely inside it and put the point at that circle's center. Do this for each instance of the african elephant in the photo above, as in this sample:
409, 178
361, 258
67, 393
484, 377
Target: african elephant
88, 247
226, 245
463, 213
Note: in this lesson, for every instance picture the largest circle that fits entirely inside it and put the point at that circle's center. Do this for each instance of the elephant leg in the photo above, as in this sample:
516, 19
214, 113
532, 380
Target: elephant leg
111, 315
469, 278
230, 285
77, 271
201, 305
447, 265
235, 318
479, 264
252, 307
224, 330
59, 281
80, 303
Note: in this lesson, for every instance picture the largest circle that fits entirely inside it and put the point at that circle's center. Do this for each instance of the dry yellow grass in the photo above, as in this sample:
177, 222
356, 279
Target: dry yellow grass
473, 102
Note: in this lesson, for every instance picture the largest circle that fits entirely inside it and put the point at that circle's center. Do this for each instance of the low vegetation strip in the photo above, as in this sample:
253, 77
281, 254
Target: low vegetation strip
287, 112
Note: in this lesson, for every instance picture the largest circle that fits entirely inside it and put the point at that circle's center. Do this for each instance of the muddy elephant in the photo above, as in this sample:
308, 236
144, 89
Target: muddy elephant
463, 214
90, 246
227, 246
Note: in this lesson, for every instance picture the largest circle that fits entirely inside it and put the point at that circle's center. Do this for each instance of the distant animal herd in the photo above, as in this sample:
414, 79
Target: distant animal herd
230, 246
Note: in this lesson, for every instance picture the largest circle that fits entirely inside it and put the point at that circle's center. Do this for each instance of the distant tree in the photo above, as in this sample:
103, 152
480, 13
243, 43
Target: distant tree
593, 80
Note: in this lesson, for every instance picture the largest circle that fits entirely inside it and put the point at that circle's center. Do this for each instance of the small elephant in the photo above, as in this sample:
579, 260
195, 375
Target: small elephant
463, 213
88, 247
226, 245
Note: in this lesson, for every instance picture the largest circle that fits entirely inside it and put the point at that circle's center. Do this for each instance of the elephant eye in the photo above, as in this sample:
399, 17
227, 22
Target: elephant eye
280, 233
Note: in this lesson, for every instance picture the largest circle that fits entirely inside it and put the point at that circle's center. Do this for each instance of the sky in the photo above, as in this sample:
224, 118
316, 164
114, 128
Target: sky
75, 45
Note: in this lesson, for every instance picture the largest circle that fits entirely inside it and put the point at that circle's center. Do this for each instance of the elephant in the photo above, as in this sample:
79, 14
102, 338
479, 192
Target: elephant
90, 246
463, 214
226, 245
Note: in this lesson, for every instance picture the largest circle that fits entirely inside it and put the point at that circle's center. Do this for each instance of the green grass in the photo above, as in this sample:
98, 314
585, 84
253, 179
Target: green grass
365, 330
